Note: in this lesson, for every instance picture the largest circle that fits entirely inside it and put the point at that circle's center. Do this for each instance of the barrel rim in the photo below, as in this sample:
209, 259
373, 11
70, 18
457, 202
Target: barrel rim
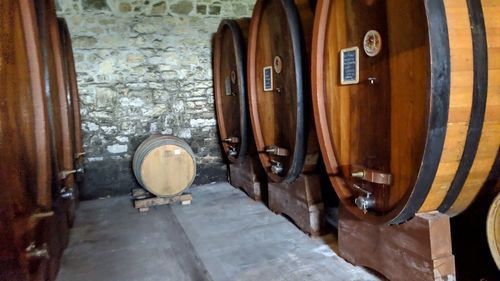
439, 94
239, 46
299, 153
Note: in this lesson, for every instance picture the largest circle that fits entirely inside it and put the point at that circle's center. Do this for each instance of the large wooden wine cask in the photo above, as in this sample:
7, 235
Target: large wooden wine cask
74, 125
164, 165
72, 96
493, 229
279, 88
58, 113
406, 102
25, 193
230, 54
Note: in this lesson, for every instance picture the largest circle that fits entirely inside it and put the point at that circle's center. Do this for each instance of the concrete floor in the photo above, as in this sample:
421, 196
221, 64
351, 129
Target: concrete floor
222, 235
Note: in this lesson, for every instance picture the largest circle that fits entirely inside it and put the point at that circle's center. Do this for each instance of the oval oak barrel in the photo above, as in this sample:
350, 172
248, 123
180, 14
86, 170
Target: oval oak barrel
493, 229
73, 96
231, 88
400, 99
164, 165
279, 88
59, 109
25, 193
60, 133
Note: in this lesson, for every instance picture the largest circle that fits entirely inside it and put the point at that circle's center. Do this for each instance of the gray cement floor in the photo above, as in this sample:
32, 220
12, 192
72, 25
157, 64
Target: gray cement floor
222, 235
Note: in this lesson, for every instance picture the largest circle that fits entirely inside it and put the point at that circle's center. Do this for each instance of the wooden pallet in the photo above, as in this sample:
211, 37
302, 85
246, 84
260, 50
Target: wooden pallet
143, 200
417, 250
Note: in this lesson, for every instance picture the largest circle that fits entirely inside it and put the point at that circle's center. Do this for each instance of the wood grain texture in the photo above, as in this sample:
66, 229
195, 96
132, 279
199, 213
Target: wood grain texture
249, 176
281, 117
230, 72
417, 250
490, 136
25, 163
415, 120
299, 201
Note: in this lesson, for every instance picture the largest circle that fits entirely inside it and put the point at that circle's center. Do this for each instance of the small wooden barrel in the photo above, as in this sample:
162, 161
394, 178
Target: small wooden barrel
230, 88
406, 103
279, 92
25, 170
493, 229
164, 165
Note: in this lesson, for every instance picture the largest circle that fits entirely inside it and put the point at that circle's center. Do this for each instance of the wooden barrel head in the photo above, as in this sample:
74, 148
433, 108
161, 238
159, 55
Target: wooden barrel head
230, 88
164, 165
279, 87
493, 230
399, 100
25, 165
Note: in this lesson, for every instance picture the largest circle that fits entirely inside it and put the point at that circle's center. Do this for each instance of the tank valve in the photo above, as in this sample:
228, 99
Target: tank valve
276, 167
232, 151
33, 252
78, 155
67, 193
232, 140
365, 202
64, 174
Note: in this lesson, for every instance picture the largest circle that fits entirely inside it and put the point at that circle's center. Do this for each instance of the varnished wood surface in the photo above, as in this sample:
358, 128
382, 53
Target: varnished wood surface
74, 97
490, 136
390, 125
25, 163
230, 66
282, 29
73, 108
164, 165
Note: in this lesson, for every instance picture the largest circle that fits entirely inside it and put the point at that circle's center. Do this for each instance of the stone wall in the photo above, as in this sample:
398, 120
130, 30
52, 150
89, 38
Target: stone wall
144, 67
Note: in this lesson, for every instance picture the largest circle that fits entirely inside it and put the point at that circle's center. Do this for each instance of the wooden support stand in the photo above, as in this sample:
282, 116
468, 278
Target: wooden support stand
300, 201
248, 177
419, 249
143, 200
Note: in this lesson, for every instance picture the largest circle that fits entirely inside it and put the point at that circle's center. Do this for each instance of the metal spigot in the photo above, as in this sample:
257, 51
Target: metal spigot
365, 202
33, 252
67, 193
276, 167
232, 151
64, 174
81, 154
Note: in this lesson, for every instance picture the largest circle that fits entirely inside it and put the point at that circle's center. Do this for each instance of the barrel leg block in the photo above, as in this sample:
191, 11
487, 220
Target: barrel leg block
248, 176
417, 250
300, 201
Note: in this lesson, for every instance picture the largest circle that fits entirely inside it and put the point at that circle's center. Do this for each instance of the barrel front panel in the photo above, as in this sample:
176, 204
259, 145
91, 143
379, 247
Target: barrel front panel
167, 170
379, 122
277, 105
228, 93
